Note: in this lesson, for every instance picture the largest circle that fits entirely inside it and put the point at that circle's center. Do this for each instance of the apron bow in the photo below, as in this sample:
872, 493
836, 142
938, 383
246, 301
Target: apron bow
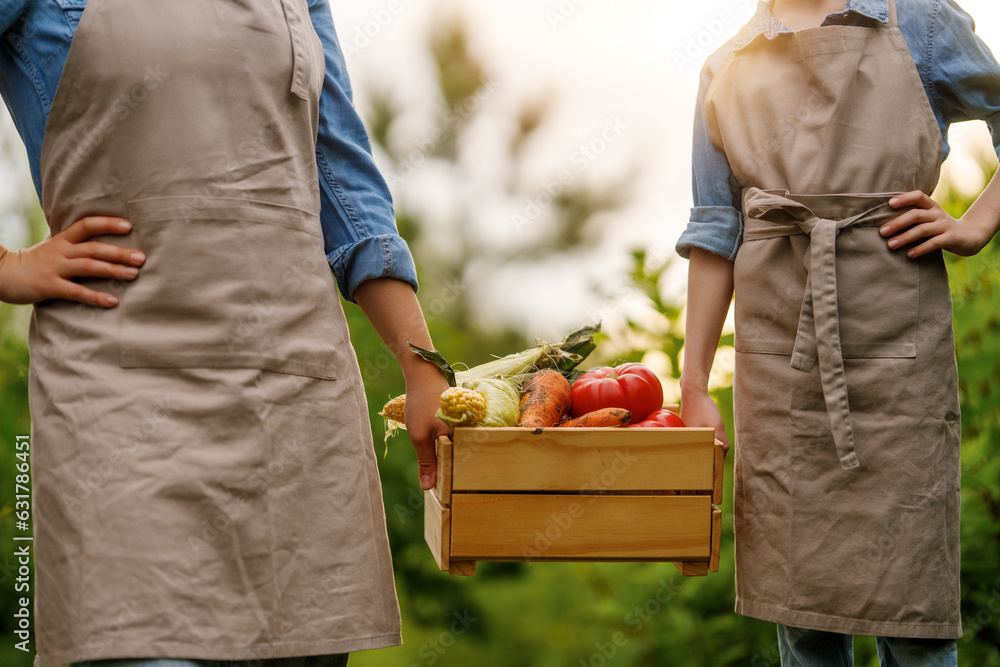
772, 213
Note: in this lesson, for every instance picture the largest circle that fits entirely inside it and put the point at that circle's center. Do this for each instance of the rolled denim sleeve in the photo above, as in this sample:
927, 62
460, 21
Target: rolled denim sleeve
716, 222
356, 213
965, 74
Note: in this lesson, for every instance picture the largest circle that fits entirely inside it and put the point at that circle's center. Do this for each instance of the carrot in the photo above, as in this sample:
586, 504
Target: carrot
544, 399
601, 418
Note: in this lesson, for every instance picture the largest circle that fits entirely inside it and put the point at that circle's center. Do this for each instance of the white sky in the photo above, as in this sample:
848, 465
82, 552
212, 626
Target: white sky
636, 61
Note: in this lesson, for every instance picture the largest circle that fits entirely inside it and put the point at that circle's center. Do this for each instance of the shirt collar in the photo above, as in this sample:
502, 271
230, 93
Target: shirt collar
764, 23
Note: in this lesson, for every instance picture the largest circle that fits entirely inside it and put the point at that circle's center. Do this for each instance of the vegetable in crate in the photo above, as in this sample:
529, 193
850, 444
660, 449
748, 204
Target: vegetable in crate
502, 401
392, 412
603, 418
661, 419
563, 356
544, 399
632, 387
462, 407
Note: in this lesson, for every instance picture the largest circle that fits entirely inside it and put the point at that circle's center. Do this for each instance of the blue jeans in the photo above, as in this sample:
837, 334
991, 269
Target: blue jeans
813, 648
339, 660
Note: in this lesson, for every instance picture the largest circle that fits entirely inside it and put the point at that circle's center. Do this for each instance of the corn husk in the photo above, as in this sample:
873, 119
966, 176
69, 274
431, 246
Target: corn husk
563, 356
503, 401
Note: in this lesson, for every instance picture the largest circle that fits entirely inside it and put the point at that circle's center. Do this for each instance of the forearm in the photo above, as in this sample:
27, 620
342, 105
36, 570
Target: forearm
4, 262
392, 308
984, 214
710, 291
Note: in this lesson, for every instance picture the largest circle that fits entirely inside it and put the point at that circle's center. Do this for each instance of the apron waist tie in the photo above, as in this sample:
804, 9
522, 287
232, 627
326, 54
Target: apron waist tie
771, 214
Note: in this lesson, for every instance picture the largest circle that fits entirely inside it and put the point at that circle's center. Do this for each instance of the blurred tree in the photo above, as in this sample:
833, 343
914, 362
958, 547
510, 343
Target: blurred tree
548, 217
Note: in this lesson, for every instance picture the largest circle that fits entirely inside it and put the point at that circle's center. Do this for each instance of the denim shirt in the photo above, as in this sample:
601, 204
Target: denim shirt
960, 76
356, 212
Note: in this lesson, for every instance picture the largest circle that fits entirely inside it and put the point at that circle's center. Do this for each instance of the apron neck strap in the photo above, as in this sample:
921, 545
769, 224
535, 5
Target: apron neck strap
893, 21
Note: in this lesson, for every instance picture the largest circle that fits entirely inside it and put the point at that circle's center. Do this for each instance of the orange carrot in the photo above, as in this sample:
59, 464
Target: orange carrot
601, 418
544, 399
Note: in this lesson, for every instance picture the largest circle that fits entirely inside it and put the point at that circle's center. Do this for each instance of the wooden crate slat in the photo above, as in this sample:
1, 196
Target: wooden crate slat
517, 459
720, 459
437, 529
462, 568
713, 561
497, 526
443, 486
692, 568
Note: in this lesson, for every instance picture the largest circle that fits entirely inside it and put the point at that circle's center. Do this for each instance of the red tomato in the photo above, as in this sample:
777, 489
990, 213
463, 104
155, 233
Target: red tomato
661, 419
630, 386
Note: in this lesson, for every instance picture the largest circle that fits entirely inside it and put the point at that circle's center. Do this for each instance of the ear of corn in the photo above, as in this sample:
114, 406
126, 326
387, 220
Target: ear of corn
503, 401
462, 407
392, 412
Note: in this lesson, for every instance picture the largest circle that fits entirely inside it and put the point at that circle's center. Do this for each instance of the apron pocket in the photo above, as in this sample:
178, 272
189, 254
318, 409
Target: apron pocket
770, 278
229, 283
878, 295
878, 292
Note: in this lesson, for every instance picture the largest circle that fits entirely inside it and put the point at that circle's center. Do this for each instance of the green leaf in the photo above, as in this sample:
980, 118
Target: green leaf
576, 347
438, 360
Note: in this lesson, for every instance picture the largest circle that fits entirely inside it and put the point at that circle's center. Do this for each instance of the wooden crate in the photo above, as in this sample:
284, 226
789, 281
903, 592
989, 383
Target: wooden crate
581, 494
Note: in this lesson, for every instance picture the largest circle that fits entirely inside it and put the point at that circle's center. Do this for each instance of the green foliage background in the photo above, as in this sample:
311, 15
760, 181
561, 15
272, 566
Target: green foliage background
577, 614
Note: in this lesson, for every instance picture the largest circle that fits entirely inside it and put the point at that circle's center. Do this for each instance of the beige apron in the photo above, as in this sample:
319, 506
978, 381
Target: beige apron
847, 417
205, 484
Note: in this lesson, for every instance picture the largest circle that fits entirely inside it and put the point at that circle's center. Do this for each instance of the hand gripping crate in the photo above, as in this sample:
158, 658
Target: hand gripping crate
576, 494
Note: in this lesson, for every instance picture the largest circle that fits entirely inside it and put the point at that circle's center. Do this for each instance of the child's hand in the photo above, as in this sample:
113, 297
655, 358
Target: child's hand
423, 398
939, 230
46, 271
698, 409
